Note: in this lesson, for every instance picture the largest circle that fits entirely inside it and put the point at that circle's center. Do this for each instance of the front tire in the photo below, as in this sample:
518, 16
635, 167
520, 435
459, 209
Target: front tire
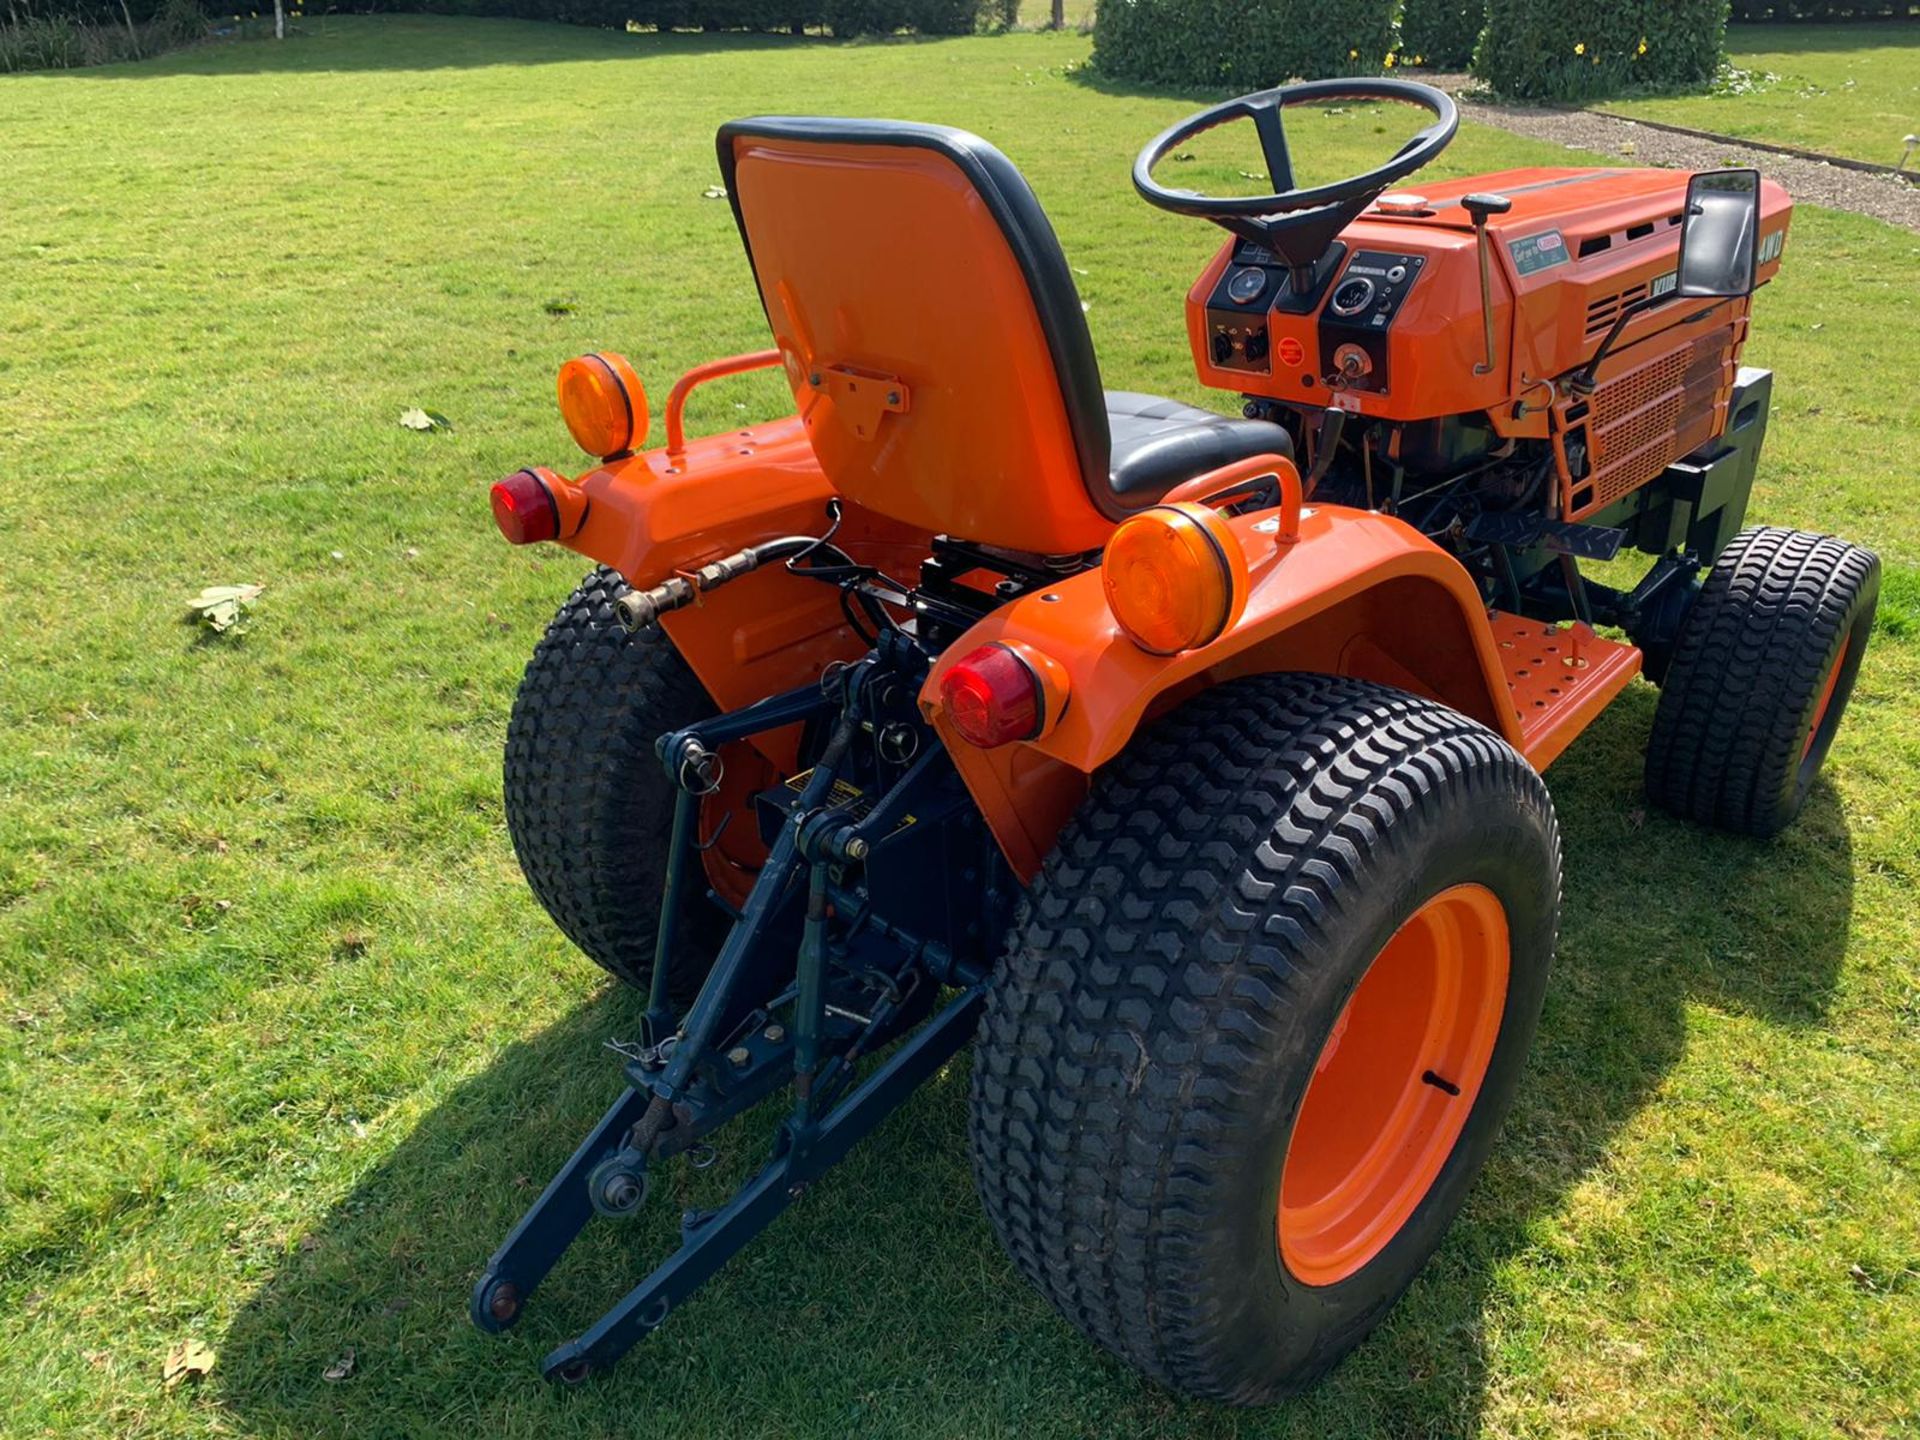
1760, 678
1260, 1019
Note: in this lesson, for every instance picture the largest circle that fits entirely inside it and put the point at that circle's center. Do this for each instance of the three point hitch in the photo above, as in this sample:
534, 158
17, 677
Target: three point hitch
865, 925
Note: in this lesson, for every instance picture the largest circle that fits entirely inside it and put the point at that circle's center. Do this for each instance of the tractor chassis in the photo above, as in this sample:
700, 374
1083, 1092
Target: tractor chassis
881, 888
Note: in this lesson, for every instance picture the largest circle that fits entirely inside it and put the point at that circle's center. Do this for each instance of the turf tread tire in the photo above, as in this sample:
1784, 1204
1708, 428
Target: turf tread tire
588, 805
1180, 948
1747, 675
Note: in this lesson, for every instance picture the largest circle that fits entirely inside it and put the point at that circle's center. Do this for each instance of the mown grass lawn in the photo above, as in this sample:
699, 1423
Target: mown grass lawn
1847, 90
286, 1043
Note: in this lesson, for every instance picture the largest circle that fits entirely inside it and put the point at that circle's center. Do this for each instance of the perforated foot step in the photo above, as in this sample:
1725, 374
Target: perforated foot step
1559, 678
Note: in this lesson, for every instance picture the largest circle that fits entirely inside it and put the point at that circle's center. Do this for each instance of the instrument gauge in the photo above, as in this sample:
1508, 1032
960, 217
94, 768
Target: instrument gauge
1247, 285
1352, 297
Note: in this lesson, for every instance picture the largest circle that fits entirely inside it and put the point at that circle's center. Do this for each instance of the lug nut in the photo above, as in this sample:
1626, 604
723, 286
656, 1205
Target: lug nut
739, 1056
775, 1033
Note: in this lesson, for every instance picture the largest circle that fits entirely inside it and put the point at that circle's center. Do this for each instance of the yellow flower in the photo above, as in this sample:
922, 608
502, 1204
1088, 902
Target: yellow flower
1643, 48
1353, 54
1581, 48
1389, 62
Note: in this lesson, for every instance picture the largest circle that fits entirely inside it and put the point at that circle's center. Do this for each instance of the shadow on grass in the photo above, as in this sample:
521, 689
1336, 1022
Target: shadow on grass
882, 1305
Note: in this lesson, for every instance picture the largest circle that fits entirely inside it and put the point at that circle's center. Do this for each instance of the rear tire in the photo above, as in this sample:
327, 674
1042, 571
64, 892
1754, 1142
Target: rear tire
588, 803
1145, 1139
1760, 679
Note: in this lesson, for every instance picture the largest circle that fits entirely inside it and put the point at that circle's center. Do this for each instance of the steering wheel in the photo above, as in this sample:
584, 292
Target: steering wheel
1297, 224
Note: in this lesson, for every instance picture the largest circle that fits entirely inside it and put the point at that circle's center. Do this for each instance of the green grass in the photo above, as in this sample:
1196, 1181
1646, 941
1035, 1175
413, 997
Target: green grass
286, 1043
1847, 90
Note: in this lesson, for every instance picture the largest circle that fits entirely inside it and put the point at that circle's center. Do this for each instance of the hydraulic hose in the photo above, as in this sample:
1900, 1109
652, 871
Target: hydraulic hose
638, 609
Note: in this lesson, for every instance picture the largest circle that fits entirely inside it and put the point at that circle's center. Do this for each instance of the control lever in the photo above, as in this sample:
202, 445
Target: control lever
1480, 207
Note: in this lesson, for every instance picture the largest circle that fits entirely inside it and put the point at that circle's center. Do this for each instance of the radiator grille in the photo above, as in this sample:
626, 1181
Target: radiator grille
1652, 415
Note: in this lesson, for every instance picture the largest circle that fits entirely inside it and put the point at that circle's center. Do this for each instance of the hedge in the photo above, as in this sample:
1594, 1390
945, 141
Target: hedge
1441, 34
1240, 44
1550, 50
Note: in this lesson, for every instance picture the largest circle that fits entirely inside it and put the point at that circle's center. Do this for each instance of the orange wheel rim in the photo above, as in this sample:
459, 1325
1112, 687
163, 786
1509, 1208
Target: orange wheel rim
1396, 1079
1826, 698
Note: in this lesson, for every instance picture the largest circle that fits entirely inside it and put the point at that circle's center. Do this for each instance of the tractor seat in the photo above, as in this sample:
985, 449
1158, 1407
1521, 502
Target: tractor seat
1157, 444
936, 344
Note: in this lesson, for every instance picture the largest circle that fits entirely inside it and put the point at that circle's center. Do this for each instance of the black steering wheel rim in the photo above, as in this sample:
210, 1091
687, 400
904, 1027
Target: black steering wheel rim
1263, 107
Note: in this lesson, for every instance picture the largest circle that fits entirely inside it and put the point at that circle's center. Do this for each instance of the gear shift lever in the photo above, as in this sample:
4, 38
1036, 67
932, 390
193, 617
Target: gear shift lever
1480, 207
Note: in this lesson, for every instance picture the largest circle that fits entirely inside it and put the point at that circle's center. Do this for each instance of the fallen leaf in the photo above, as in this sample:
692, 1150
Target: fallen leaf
223, 607
714, 192
341, 1368
189, 1360
559, 307
418, 419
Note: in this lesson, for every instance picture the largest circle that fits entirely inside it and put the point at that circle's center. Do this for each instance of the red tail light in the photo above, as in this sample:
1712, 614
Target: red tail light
524, 508
992, 698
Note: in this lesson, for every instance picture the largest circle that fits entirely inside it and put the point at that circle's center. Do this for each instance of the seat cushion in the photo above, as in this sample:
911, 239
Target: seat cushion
1159, 443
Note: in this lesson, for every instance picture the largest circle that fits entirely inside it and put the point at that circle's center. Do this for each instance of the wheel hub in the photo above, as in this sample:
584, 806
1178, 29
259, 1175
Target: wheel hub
1396, 1078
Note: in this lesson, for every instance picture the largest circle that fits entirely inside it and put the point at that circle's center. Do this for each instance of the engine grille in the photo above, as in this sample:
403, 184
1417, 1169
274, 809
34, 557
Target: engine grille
1603, 312
1650, 416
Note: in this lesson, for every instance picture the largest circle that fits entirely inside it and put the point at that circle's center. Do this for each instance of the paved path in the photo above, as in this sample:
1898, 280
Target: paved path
1884, 197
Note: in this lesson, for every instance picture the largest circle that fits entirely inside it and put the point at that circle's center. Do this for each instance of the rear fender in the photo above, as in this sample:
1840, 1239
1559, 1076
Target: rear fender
664, 512
1357, 594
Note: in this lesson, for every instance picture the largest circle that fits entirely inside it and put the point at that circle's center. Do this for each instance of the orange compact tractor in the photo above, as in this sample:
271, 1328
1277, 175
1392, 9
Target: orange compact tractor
1188, 765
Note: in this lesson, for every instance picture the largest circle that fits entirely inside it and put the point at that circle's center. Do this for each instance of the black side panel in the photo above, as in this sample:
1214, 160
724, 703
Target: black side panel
1011, 202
